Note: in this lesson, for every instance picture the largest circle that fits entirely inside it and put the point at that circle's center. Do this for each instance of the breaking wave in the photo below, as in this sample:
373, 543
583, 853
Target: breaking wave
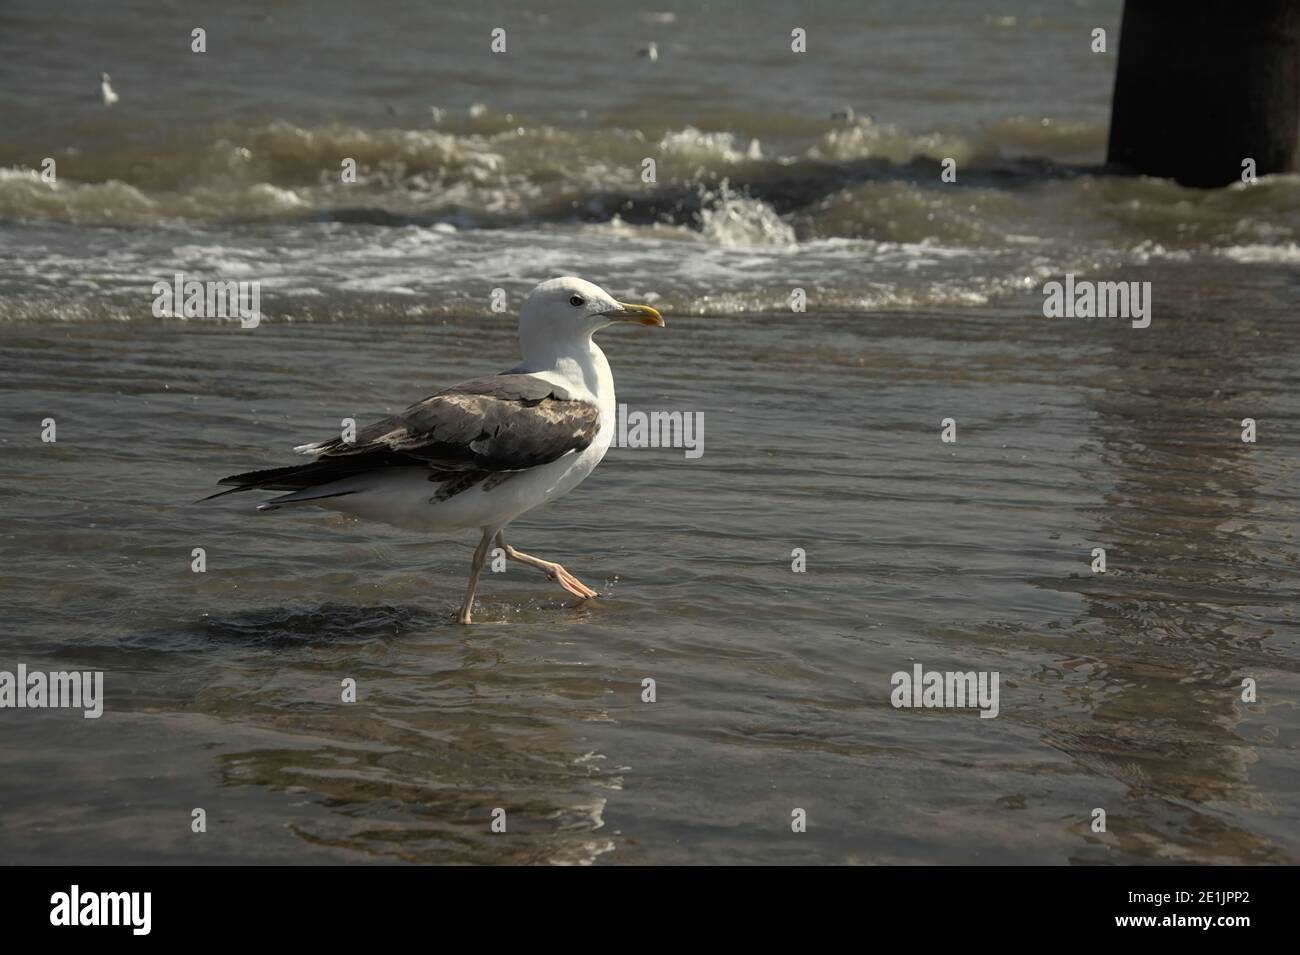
850, 179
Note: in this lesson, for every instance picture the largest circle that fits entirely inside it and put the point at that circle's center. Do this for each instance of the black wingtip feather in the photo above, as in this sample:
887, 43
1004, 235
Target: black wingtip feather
233, 490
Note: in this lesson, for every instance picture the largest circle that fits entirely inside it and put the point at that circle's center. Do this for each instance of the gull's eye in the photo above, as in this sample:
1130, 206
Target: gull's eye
577, 300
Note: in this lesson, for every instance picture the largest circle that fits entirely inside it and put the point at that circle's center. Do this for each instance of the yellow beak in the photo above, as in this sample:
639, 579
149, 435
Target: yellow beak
641, 314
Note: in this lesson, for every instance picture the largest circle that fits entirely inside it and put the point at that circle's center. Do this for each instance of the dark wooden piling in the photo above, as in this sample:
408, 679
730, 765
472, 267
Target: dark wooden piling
1203, 85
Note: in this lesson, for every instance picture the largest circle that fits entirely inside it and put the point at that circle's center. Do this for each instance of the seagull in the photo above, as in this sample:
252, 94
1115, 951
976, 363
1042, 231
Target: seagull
106, 90
650, 52
479, 454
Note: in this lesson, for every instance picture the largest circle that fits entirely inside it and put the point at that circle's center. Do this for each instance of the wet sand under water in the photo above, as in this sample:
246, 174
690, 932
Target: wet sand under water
1118, 691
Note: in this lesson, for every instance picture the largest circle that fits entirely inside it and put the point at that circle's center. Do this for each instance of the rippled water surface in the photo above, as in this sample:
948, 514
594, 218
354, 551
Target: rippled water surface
1119, 691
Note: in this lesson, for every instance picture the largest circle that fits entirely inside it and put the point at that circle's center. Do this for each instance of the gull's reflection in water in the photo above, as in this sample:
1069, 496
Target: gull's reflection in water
450, 737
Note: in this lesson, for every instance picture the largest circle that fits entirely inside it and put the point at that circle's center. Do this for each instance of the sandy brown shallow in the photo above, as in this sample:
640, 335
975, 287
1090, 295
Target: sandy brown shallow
1119, 691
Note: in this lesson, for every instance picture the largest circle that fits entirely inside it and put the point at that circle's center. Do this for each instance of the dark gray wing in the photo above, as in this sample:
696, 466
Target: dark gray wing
479, 432
498, 423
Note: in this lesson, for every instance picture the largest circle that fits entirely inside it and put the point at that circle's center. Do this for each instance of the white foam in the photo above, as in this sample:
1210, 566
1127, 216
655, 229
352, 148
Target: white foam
1262, 253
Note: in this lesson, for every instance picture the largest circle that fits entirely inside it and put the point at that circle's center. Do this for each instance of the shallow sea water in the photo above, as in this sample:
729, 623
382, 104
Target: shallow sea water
1118, 691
